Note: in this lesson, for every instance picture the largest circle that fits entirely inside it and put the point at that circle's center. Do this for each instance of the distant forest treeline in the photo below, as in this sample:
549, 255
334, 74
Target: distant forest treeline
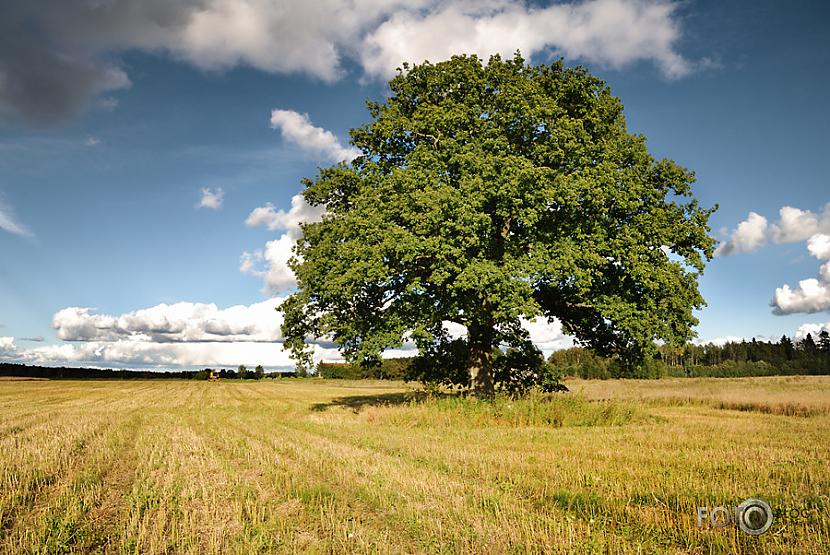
26, 371
733, 359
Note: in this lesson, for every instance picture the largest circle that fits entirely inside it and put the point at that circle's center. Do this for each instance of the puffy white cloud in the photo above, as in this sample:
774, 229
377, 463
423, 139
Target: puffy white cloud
748, 236
175, 323
297, 128
819, 246
612, 33
92, 141
9, 223
132, 354
177, 335
548, 336
271, 263
7, 346
212, 198
300, 212
811, 295
794, 225
276, 273
184, 335
56, 71
812, 329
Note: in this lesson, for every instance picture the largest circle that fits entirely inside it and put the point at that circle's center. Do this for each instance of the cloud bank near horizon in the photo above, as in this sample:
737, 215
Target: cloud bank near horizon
197, 335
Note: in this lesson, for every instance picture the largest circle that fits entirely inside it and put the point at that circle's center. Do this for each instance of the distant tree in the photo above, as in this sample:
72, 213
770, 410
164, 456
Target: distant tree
242, 372
824, 342
259, 372
394, 368
808, 345
337, 370
491, 192
578, 361
787, 347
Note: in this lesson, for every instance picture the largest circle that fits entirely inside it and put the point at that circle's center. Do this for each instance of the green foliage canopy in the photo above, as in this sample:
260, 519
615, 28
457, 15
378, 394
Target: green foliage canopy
487, 193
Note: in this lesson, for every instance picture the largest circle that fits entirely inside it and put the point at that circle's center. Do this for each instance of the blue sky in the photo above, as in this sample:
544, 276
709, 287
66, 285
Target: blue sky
112, 127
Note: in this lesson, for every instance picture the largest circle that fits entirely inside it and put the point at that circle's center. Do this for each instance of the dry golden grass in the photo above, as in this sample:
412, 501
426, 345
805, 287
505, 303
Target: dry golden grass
783, 395
336, 467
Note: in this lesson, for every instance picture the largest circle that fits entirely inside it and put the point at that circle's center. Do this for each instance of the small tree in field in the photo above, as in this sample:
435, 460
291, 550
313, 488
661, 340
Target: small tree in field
488, 193
242, 371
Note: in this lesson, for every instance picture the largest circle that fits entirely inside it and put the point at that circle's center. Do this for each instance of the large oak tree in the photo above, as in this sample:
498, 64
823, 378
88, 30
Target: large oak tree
491, 192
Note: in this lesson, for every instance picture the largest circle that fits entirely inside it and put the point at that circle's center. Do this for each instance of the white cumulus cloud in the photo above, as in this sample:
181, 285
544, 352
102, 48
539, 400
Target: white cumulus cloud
794, 225
271, 264
819, 246
547, 335
297, 128
137, 354
68, 62
179, 335
812, 329
7, 346
212, 198
173, 323
810, 295
300, 212
611, 33
748, 236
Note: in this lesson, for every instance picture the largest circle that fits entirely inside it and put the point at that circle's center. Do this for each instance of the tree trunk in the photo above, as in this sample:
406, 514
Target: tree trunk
480, 364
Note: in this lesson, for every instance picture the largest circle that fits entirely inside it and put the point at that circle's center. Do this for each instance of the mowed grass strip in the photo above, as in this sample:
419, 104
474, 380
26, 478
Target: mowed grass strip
372, 467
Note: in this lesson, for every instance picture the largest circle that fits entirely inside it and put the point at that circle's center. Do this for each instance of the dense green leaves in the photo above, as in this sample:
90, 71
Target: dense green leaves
487, 193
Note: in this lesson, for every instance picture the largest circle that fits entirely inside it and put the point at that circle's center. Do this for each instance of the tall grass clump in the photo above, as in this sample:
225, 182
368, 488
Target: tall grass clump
535, 409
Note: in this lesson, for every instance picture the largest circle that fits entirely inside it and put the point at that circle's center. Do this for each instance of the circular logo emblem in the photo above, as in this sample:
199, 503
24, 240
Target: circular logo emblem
754, 516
